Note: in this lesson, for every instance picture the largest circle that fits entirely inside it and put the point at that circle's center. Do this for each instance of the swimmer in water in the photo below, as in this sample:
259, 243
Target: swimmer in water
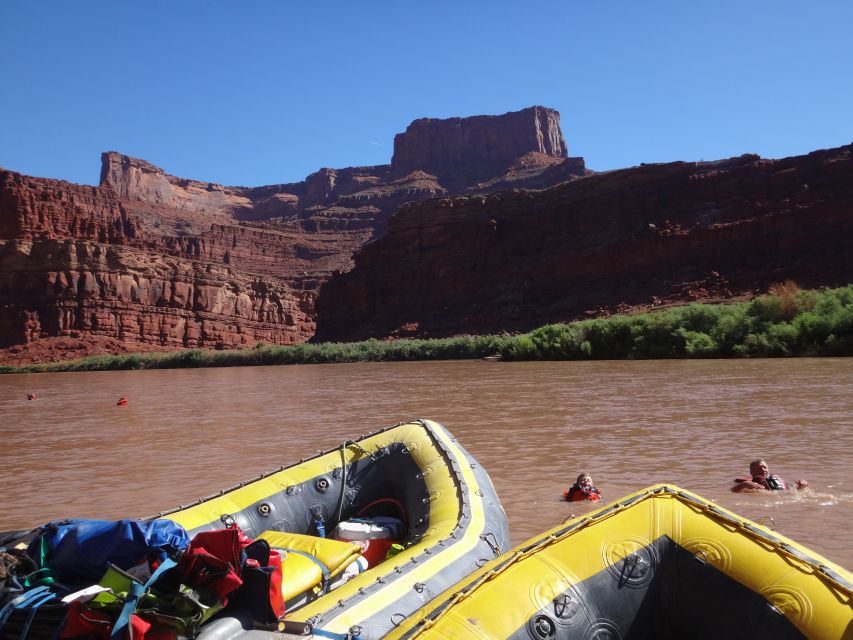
582, 489
762, 480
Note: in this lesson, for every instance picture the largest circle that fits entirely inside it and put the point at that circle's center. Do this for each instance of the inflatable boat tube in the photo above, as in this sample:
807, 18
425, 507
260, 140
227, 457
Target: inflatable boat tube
660, 563
455, 523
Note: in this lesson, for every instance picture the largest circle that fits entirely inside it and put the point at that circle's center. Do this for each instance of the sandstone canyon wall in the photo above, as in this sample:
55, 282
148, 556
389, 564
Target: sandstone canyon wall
149, 259
644, 236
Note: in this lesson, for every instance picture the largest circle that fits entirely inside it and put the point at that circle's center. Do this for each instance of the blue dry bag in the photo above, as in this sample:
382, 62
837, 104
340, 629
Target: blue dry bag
78, 551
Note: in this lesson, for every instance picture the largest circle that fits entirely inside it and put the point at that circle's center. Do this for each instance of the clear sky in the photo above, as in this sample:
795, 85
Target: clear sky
263, 92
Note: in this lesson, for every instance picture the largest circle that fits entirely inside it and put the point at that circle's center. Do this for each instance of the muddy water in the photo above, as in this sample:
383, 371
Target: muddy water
534, 426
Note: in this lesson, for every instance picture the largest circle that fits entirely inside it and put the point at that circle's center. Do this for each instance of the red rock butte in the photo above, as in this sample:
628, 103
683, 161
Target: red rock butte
147, 260
480, 224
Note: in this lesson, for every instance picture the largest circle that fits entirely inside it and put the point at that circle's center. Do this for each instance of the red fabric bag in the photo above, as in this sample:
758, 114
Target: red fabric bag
84, 623
213, 560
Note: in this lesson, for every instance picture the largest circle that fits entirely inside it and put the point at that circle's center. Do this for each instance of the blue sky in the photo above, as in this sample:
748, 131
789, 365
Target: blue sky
253, 93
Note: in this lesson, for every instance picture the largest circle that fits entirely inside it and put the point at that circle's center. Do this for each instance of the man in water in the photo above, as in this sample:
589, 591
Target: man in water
582, 489
762, 480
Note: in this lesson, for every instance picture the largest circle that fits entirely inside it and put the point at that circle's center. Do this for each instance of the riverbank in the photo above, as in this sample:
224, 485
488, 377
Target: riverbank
787, 322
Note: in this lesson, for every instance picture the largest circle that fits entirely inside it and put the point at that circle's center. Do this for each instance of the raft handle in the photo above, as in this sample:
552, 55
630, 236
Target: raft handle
562, 604
395, 622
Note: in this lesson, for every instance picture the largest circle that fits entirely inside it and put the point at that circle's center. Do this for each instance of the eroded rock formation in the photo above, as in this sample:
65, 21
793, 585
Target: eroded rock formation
148, 259
644, 236
138, 297
469, 150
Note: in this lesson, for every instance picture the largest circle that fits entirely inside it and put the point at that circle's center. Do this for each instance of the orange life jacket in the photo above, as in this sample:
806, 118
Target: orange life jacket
576, 493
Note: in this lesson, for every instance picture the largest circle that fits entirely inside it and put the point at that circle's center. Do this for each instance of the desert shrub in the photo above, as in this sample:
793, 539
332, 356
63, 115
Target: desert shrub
558, 342
786, 293
608, 337
521, 348
813, 329
656, 335
697, 343
730, 329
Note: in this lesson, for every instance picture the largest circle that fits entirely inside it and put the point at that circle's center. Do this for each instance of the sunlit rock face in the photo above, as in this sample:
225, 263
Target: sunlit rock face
642, 237
473, 149
147, 259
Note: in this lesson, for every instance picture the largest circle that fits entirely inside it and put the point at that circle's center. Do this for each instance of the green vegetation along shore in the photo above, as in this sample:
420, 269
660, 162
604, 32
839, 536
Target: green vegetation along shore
786, 322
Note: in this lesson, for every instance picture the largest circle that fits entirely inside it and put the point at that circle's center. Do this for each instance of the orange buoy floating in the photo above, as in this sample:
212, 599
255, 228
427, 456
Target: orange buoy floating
121, 402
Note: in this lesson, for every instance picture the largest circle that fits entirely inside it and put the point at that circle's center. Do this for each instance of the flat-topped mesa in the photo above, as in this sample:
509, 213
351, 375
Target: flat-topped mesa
433, 157
242, 263
478, 145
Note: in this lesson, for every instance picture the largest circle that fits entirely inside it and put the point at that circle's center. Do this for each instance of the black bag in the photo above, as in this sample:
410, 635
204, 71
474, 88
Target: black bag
260, 593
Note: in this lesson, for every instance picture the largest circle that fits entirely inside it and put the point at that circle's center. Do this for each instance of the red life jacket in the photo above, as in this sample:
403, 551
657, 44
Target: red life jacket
576, 493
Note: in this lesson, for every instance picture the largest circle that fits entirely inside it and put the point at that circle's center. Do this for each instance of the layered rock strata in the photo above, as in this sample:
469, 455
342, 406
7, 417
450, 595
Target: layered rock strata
149, 259
66, 287
643, 236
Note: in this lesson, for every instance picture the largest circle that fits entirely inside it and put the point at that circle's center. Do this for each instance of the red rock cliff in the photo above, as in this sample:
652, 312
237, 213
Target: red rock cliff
642, 236
38, 208
69, 287
151, 259
480, 146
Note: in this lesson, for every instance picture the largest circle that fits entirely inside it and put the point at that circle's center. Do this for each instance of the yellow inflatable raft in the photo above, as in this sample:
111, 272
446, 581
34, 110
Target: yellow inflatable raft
661, 563
416, 471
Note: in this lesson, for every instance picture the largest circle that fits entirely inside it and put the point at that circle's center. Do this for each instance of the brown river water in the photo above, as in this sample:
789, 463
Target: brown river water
533, 425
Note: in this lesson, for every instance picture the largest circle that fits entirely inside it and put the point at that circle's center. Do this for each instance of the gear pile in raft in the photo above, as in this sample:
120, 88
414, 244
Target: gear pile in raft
345, 543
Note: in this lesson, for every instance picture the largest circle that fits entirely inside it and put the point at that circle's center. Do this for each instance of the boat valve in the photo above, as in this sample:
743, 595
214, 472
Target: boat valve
543, 628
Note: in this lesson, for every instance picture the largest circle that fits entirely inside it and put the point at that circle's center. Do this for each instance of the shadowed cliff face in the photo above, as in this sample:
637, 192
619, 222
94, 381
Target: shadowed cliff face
644, 236
151, 259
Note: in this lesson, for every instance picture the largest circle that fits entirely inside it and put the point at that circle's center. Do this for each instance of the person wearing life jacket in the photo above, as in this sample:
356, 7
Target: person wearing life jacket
582, 489
762, 480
